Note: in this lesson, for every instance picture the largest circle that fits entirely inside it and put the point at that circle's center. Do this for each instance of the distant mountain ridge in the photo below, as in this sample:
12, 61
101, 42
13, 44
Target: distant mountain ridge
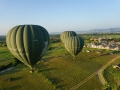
110, 30
106, 30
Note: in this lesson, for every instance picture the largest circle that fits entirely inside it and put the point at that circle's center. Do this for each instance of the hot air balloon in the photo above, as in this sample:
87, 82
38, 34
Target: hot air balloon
66, 34
28, 43
74, 45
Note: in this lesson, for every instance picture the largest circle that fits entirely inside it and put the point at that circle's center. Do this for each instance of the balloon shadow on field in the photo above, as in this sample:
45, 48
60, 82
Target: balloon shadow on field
98, 56
43, 68
55, 81
44, 59
61, 86
47, 69
15, 78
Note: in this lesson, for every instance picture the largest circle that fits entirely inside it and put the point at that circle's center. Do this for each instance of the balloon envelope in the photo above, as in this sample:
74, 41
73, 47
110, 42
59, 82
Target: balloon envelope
67, 34
28, 43
74, 44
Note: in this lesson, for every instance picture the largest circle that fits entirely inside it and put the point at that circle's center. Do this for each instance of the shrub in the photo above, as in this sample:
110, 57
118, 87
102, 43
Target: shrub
2, 67
15, 61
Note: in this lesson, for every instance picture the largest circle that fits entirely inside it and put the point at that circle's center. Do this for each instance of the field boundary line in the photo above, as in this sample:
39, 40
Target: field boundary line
82, 82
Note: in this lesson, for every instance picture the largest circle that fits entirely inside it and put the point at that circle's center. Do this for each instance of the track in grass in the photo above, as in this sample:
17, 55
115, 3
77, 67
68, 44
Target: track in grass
82, 82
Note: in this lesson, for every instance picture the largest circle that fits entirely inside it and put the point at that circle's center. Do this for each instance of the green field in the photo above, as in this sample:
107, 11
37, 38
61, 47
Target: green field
5, 55
57, 70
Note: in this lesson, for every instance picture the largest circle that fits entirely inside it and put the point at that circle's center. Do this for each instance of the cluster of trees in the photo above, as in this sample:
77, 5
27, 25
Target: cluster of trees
12, 63
55, 38
3, 41
3, 44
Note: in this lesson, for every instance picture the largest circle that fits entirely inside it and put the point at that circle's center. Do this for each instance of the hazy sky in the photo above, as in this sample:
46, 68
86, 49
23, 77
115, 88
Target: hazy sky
60, 15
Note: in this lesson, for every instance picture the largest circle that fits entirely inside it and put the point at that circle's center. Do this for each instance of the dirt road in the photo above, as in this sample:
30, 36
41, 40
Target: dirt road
100, 75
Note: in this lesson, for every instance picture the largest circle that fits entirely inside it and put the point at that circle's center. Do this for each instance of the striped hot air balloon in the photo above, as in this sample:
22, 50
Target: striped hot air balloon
66, 34
28, 43
74, 44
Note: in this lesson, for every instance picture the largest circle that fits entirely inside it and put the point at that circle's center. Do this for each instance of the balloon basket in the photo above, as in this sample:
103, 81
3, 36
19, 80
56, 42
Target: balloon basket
31, 71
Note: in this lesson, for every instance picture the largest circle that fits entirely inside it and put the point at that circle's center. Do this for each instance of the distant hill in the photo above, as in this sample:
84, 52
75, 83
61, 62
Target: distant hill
110, 30
51, 33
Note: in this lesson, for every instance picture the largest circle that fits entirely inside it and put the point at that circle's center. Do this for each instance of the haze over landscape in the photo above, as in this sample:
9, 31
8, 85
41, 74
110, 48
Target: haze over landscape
60, 45
60, 15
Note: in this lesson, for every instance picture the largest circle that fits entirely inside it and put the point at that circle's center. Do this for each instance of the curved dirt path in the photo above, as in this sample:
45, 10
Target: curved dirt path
6, 69
99, 72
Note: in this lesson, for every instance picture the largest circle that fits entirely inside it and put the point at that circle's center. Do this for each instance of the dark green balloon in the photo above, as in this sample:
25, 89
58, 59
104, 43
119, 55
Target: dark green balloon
66, 34
74, 44
28, 43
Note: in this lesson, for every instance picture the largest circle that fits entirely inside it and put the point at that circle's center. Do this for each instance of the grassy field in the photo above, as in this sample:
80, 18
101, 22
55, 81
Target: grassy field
88, 36
92, 84
57, 70
5, 55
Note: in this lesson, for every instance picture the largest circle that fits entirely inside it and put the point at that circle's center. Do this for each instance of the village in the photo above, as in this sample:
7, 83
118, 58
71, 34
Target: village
104, 43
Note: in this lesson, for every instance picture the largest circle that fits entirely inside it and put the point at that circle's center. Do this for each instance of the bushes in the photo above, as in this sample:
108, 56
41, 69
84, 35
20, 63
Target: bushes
5, 66
2, 67
13, 63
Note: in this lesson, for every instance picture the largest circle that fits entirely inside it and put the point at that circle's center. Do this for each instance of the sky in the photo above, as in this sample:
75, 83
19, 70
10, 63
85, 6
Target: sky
60, 15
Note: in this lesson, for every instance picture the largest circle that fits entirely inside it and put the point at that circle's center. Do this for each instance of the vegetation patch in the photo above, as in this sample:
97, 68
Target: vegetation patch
58, 70
112, 76
14, 62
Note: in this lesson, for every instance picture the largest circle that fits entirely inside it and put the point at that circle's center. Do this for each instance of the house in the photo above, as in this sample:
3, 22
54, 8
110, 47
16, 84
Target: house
104, 44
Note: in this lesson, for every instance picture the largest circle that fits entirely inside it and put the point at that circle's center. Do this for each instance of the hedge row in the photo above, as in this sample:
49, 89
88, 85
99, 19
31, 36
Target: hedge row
13, 63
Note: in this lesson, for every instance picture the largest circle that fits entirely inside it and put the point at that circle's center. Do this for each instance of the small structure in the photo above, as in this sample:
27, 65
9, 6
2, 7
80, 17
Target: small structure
87, 51
7, 79
111, 53
32, 70
117, 66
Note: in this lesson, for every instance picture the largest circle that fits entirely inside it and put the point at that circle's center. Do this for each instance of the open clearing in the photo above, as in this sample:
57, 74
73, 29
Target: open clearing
57, 70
